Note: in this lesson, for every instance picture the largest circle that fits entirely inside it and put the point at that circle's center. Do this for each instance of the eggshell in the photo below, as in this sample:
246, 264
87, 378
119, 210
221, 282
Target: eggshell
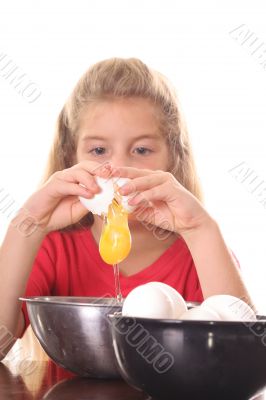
230, 308
201, 314
100, 202
178, 302
124, 199
148, 301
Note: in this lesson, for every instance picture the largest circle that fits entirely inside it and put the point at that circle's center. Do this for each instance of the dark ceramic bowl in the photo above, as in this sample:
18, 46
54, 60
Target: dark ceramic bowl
191, 359
75, 332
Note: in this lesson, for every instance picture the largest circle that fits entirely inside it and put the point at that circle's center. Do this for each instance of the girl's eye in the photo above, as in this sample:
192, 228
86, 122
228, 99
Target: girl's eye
142, 150
98, 151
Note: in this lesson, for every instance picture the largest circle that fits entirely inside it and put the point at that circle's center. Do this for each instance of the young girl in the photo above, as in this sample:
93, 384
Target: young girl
123, 119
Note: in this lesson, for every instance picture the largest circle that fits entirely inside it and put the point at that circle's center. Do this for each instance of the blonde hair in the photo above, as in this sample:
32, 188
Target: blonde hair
125, 78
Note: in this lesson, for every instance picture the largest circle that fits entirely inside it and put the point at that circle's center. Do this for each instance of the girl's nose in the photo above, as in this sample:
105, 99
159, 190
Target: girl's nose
121, 160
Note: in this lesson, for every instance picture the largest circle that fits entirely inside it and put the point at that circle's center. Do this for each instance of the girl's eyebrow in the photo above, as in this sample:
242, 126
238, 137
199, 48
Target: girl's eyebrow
94, 137
154, 136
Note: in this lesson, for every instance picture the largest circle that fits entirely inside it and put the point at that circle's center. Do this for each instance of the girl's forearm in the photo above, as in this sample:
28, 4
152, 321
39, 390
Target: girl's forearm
216, 267
17, 254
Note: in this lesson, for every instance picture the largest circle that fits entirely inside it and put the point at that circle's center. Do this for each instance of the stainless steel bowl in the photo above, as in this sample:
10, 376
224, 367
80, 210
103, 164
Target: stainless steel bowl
191, 359
75, 332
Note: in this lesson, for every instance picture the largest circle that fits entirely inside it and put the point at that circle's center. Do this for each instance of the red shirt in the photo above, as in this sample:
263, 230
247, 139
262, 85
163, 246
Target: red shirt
69, 264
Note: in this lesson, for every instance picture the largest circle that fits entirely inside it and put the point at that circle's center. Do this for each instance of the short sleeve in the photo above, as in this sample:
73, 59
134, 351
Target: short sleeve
42, 277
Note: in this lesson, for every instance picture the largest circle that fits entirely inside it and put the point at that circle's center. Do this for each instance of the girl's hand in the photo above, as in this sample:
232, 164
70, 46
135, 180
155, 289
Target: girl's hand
166, 203
56, 204
161, 200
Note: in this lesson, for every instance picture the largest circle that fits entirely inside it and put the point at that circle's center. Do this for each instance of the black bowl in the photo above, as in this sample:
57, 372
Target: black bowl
174, 359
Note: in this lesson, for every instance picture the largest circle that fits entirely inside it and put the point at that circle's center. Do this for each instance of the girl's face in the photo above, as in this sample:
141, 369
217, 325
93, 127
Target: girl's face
124, 132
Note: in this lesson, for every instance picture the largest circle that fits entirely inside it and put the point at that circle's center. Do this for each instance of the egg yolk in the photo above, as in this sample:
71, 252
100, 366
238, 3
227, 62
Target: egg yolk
115, 241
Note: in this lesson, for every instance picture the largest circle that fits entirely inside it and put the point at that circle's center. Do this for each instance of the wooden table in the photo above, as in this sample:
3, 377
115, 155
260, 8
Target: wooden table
45, 380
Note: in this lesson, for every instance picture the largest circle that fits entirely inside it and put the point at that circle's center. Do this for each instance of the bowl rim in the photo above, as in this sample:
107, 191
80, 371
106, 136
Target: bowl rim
73, 301
167, 322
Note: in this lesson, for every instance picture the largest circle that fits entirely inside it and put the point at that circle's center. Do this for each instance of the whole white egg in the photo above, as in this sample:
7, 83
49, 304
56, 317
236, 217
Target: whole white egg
100, 202
178, 301
230, 308
148, 301
201, 314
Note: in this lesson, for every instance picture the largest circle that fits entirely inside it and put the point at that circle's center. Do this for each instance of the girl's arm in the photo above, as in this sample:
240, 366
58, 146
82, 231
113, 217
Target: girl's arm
216, 267
17, 254
54, 206
167, 204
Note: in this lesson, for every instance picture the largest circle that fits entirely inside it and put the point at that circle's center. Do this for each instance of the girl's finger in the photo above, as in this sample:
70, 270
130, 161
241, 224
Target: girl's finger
130, 172
95, 168
143, 183
75, 190
156, 193
80, 176
60, 188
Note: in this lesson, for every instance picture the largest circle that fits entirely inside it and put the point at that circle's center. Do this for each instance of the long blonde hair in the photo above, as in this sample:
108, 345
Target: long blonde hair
125, 78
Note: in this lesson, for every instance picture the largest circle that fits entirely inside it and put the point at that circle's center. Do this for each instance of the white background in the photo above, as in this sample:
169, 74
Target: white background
220, 84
